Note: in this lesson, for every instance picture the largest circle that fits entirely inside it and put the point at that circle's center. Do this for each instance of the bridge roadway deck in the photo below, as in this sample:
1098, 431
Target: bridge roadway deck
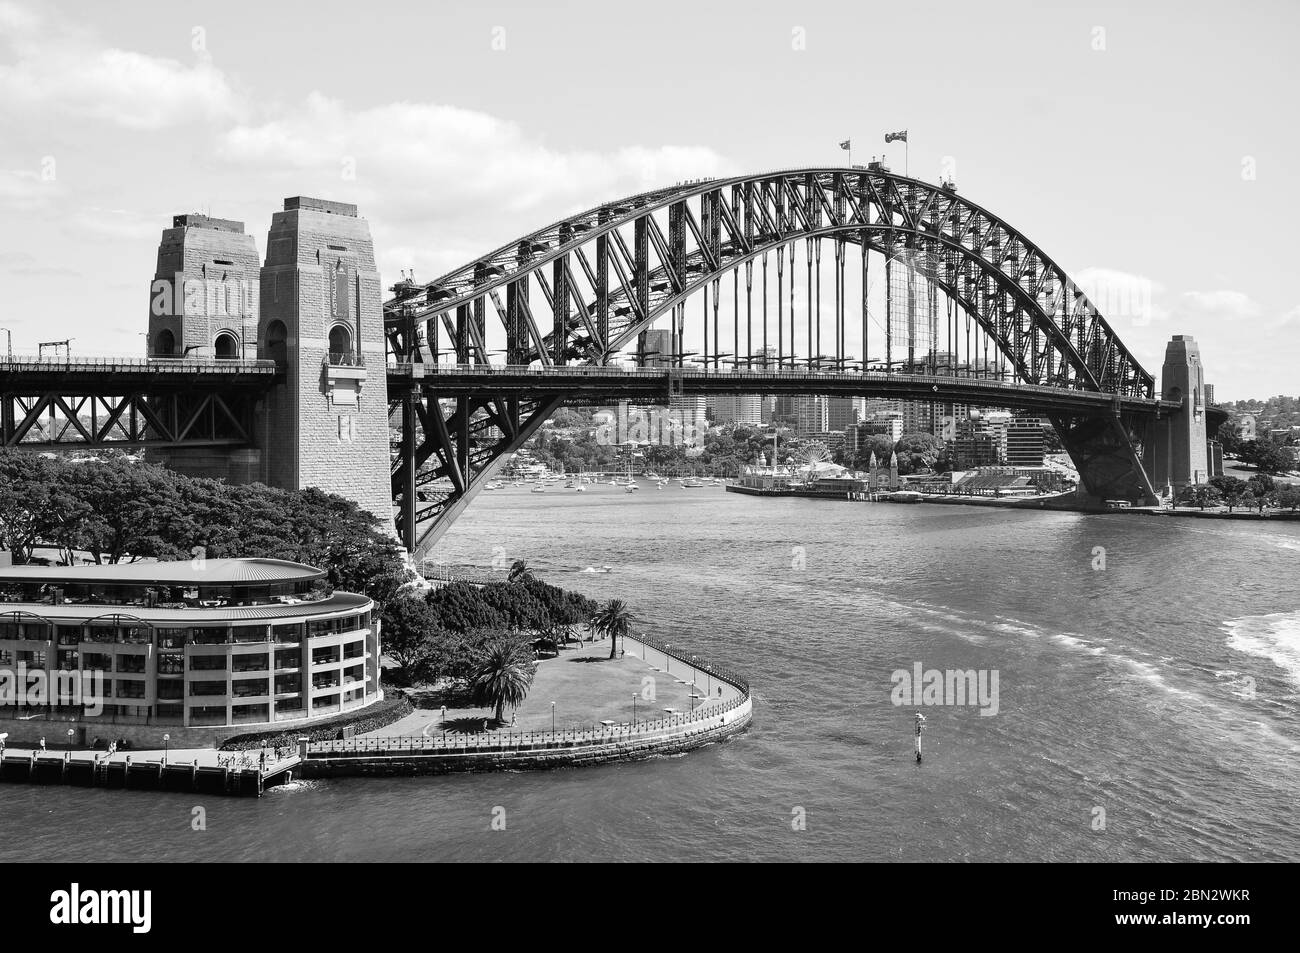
113, 375
578, 382
655, 383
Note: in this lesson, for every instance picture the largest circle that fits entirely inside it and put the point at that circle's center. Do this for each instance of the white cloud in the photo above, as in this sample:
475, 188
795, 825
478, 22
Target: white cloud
436, 177
1123, 298
1223, 304
22, 190
59, 73
22, 264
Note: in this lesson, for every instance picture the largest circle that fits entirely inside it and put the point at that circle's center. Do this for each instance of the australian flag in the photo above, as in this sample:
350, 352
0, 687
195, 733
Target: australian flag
896, 136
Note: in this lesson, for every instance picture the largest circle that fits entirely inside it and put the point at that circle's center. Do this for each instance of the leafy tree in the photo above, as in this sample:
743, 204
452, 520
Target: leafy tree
1200, 496
1267, 456
613, 620
117, 509
1228, 485
918, 451
34, 507
1288, 498
410, 628
503, 674
1229, 439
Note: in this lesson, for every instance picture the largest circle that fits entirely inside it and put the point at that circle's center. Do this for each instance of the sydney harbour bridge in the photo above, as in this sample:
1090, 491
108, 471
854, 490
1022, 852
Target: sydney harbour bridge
852, 282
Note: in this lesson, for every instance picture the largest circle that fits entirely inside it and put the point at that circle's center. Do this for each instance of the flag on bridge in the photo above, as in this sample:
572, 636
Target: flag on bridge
846, 144
892, 136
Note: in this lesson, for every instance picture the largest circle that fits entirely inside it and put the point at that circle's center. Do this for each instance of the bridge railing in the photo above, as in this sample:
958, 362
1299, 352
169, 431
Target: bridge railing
734, 373
162, 365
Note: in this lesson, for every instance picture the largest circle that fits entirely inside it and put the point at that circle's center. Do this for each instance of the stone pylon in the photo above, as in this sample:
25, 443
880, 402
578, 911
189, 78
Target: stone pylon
322, 320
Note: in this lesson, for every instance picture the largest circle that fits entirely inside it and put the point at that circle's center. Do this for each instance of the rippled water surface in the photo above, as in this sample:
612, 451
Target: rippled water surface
1162, 691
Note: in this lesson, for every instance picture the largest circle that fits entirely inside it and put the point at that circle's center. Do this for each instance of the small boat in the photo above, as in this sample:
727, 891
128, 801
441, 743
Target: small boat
580, 488
538, 488
692, 484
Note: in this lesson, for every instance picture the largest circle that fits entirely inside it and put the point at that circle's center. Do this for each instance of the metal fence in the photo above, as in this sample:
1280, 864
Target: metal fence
681, 724
163, 365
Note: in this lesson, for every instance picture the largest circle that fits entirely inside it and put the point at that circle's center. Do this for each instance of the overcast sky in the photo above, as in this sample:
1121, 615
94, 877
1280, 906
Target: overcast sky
1156, 145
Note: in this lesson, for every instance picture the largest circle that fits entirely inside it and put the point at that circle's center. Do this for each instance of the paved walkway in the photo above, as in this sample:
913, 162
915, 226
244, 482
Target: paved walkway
587, 688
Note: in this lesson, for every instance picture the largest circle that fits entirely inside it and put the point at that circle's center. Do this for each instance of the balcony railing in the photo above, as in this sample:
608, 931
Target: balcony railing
344, 360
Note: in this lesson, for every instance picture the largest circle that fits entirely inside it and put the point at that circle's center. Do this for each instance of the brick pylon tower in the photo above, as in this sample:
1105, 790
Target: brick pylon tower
321, 318
1181, 452
203, 305
204, 298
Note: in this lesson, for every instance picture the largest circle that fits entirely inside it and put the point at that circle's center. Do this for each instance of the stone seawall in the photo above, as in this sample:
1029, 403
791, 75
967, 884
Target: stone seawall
443, 754
562, 755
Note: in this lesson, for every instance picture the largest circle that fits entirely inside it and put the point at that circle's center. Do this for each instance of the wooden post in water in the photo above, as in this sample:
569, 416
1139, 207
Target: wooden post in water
920, 727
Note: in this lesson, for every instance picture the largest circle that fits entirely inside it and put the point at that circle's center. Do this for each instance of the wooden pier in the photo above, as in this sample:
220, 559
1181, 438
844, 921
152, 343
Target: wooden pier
97, 770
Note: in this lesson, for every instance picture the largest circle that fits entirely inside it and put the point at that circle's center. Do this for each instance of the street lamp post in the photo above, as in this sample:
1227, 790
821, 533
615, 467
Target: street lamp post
552, 717
9, 351
634, 708
166, 746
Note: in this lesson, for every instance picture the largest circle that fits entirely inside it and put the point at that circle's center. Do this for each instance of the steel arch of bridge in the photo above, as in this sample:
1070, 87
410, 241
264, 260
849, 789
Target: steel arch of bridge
636, 271
1039, 318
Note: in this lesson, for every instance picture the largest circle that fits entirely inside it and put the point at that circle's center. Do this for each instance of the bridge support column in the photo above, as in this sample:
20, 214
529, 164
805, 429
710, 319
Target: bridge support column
1106, 452
1179, 456
408, 463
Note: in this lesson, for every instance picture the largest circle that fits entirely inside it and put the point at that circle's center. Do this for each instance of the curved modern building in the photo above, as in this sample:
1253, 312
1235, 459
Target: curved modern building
203, 643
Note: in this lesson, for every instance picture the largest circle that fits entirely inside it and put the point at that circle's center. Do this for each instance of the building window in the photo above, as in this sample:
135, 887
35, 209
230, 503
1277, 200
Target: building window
277, 343
226, 347
341, 346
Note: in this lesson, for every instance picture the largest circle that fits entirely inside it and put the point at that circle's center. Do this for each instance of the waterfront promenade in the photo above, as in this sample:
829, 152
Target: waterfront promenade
447, 744
580, 711
587, 688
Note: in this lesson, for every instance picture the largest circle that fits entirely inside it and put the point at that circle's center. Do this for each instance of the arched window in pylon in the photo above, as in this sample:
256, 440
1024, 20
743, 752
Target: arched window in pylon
277, 343
164, 344
340, 345
226, 346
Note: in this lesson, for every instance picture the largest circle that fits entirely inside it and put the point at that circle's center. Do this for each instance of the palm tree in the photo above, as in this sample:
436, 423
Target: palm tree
503, 676
612, 620
519, 571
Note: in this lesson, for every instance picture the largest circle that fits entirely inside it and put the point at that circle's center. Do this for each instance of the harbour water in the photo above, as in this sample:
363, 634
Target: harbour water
1149, 698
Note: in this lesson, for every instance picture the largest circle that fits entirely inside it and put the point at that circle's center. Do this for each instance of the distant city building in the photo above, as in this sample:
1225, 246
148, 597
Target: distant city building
746, 409
1246, 427
844, 412
833, 439
982, 441
887, 424
811, 414
1026, 444
659, 349
690, 410
1209, 394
